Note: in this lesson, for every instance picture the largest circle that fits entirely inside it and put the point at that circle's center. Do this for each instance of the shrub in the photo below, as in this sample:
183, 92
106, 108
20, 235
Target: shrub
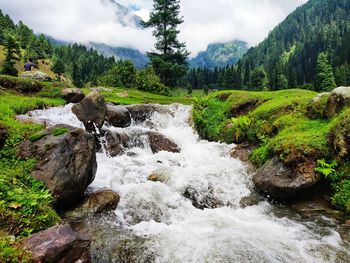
147, 80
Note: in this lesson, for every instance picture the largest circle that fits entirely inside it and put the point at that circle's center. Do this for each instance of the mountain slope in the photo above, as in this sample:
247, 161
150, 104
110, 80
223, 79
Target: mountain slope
139, 59
317, 26
123, 15
220, 55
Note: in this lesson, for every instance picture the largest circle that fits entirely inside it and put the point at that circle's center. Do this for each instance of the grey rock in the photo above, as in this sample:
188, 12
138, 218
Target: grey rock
66, 163
339, 98
72, 95
118, 116
36, 75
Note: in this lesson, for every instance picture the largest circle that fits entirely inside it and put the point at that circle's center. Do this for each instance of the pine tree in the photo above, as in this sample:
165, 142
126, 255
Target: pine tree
170, 60
279, 79
12, 55
325, 78
259, 79
58, 67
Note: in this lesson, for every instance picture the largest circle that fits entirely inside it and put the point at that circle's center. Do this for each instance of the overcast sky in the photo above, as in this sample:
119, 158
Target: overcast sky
206, 21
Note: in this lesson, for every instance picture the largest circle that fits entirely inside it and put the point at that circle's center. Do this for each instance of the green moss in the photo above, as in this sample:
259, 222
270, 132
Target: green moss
59, 131
10, 251
37, 136
261, 155
341, 198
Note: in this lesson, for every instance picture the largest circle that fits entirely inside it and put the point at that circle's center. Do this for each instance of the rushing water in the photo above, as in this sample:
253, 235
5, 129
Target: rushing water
163, 226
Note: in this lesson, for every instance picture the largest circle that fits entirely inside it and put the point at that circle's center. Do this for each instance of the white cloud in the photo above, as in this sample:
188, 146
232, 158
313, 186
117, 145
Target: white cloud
206, 21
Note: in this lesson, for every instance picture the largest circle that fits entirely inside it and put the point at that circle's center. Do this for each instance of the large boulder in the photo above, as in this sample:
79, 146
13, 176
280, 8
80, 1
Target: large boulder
159, 142
36, 75
101, 201
339, 98
66, 161
92, 111
3, 135
281, 182
118, 116
59, 244
72, 95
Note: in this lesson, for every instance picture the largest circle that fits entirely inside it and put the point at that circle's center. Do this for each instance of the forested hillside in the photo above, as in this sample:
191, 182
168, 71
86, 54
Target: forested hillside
220, 55
292, 48
76, 62
310, 47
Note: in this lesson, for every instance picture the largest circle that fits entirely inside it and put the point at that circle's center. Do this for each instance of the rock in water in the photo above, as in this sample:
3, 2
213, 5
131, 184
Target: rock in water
112, 144
281, 182
66, 162
3, 135
92, 111
36, 75
59, 244
159, 142
139, 113
118, 116
72, 95
203, 197
101, 201
339, 98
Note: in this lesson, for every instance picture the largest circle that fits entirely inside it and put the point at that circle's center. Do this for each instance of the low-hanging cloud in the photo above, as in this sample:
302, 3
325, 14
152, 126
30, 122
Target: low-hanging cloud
206, 21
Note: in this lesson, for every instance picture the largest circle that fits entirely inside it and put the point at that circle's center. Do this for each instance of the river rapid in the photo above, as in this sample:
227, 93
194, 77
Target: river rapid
154, 222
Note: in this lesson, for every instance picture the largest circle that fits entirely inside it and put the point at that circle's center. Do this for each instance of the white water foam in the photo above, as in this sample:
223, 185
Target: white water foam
179, 231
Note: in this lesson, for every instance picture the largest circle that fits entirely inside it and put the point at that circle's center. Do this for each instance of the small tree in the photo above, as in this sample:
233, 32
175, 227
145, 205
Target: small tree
121, 74
279, 79
12, 55
58, 67
170, 62
259, 79
147, 80
325, 79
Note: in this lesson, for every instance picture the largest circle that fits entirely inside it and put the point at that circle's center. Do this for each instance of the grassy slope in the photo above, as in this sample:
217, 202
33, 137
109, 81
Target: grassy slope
279, 126
133, 96
25, 205
44, 65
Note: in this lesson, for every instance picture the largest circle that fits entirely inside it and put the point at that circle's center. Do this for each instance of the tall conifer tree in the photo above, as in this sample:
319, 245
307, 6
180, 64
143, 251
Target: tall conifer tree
170, 59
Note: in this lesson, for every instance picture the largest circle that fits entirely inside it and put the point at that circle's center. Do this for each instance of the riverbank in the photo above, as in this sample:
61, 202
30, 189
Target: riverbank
26, 207
290, 129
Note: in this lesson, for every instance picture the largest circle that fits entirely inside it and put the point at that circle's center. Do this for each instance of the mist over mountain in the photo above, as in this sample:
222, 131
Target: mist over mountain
123, 15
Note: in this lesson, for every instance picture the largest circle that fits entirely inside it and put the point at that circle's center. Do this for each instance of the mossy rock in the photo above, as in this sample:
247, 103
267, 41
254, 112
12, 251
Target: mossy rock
317, 107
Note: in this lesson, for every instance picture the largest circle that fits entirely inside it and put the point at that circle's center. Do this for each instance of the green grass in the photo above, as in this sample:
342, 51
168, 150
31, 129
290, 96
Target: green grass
25, 204
281, 124
134, 96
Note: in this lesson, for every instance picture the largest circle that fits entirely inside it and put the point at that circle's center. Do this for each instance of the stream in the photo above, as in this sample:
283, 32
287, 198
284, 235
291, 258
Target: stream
154, 222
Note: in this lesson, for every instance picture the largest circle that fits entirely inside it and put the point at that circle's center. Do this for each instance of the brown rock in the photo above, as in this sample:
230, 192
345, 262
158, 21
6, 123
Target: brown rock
158, 177
66, 163
59, 244
281, 182
72, 95
112, 144
92, 111
159, 142
101, 201
242, 152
